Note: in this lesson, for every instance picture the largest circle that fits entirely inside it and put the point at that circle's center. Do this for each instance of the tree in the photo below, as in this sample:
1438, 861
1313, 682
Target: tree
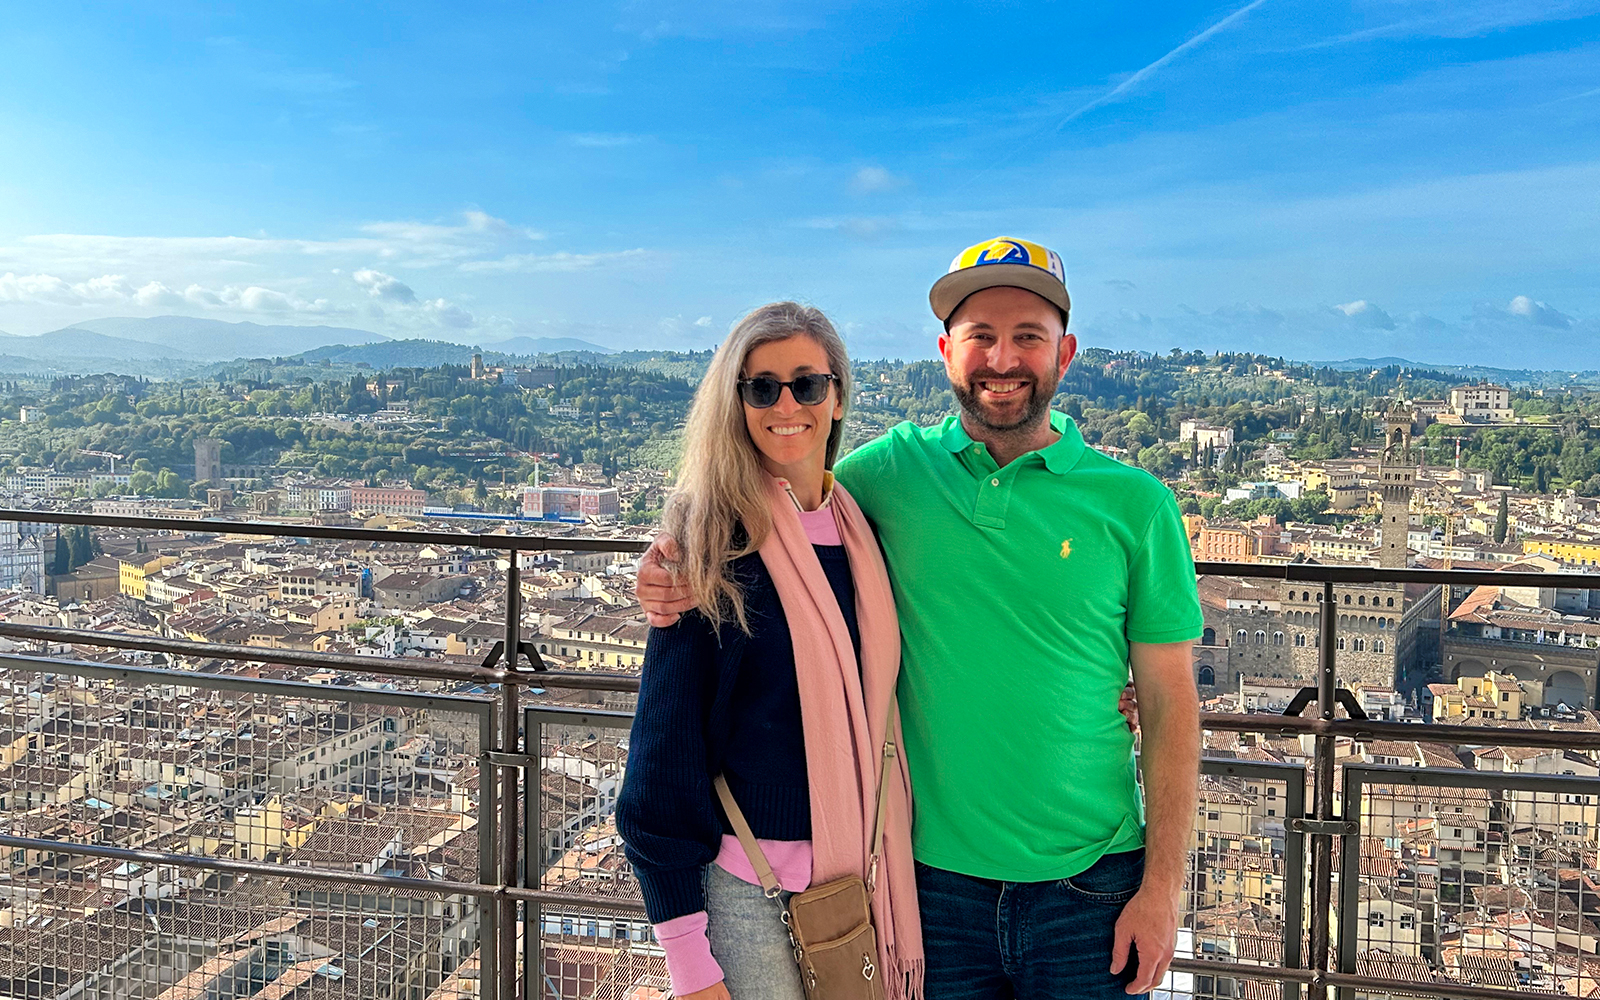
1156, 460
1501, 520
142, 482
63, 556
78, 546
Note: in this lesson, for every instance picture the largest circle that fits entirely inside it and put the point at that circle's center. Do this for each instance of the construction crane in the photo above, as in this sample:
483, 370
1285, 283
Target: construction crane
113, 456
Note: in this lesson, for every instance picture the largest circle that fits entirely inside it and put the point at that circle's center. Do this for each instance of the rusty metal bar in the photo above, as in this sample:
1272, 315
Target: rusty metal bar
1323, 573
1361, 730
1322, 799
208, 526
268, 869
508, 828
398, 666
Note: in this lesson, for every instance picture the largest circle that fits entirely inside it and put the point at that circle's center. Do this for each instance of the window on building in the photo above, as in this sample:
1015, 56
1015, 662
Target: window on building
1361, 645
1347, 598
1390, 604
1300, 639
1377, 646
1277, 638
1340, 643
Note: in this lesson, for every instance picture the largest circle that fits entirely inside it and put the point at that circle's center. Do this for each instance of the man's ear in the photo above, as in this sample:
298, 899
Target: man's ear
1068, 350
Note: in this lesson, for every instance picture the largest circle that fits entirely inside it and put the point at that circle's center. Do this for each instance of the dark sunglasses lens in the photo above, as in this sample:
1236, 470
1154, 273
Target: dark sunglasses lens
810, 390
761, 392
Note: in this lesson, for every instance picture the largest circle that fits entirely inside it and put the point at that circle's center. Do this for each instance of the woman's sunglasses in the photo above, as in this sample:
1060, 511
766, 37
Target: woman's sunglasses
763, 390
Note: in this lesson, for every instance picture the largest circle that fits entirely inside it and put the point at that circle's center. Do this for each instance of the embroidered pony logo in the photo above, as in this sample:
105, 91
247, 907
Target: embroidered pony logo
1066, 548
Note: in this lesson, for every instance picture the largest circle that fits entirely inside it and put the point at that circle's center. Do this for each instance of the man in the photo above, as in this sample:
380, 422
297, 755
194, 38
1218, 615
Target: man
1030, 572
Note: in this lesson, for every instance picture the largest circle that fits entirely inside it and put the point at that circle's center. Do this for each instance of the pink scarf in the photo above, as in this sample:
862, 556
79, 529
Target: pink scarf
844, 719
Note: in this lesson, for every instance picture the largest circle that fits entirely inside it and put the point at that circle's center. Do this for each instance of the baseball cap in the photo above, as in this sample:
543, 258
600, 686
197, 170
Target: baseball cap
997, 262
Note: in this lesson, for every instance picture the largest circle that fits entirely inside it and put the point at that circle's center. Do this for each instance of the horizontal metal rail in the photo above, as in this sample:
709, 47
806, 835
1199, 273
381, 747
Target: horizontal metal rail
208, 526
267, 869
472, 704
397, 666
1355, 575
1363, 730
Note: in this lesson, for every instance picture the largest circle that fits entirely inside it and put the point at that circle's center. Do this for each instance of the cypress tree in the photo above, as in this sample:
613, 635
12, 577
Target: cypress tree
1501, 520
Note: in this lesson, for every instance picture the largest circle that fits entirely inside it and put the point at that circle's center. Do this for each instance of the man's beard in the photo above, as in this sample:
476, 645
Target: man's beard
1038, 405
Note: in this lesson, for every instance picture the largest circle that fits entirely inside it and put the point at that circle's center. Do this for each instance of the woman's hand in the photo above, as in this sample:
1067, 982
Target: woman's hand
1129, 707
717, 991
657, 589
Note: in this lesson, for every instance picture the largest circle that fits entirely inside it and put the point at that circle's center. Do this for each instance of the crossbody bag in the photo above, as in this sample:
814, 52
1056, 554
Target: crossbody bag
830, 925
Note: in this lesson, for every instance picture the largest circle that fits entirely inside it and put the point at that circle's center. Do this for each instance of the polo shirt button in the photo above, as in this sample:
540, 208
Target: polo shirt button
994, 482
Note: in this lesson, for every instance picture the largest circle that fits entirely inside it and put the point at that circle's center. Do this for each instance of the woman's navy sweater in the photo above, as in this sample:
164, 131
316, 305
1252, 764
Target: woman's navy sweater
718, 701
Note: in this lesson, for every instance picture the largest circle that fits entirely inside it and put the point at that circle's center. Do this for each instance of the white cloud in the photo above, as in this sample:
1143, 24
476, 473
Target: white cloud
552, 262
405, 243
115, 289
863, 227
1366, 314
1538, 312
384, 286
875, 180
703, 322
603, 140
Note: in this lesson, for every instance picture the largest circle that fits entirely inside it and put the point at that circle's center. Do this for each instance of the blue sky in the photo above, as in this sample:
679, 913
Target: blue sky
1314, 179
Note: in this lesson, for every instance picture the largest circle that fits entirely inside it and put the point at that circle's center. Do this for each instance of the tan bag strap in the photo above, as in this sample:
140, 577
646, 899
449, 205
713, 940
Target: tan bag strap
890, 751
747, 839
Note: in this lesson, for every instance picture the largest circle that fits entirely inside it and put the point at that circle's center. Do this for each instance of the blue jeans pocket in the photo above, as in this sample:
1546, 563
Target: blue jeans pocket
1113, 880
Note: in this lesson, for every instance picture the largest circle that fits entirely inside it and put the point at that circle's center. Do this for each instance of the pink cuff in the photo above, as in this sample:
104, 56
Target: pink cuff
689, 960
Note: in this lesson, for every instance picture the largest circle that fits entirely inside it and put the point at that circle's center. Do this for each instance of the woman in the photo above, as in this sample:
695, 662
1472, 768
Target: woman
781, 682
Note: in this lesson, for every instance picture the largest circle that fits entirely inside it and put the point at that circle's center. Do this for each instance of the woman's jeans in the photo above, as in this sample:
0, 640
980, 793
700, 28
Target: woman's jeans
749, 940
989, 940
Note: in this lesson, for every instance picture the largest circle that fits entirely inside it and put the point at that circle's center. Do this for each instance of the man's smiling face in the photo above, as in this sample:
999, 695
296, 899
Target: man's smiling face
1005, 352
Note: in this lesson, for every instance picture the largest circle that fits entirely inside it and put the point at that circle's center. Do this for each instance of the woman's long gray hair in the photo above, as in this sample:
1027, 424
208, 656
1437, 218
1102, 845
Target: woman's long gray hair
721, 485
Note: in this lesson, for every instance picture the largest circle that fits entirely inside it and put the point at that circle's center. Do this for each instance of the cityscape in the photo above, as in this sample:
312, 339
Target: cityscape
1273, 462
347, 358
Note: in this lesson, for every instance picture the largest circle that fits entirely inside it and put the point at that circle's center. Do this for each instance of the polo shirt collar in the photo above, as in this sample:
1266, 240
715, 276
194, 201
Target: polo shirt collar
1058, 457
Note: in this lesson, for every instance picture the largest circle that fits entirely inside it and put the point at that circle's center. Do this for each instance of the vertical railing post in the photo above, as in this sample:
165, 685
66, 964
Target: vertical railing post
507, 826
1322, 801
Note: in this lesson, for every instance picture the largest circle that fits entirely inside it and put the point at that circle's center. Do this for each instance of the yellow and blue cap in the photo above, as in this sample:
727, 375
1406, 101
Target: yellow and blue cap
1002, 262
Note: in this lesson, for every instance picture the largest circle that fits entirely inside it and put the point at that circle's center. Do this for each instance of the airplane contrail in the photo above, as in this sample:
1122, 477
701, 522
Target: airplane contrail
1145, 73
1123, 87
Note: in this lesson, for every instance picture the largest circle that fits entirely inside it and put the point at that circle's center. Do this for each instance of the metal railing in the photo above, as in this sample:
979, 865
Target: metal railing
536, 801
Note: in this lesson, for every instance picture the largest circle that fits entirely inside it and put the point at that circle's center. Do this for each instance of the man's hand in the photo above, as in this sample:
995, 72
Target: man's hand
659, 593
1128, 705
716, 991
1149, 924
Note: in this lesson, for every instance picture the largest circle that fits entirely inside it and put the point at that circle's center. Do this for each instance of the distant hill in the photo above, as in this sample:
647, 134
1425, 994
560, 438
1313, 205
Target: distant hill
1516, 377
393, 354
214, 340
524, 346
72, 344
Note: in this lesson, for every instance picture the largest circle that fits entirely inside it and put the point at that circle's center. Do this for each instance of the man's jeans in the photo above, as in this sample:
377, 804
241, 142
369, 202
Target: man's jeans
988, 940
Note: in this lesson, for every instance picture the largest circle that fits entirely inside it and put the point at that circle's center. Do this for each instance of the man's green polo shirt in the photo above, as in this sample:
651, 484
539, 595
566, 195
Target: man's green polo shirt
1019, 590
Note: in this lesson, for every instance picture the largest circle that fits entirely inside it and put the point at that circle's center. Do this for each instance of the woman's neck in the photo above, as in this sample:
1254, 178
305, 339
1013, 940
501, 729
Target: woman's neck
806, 482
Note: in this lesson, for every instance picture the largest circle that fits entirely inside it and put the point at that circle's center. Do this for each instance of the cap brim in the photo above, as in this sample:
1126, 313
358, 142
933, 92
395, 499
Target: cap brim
949, 290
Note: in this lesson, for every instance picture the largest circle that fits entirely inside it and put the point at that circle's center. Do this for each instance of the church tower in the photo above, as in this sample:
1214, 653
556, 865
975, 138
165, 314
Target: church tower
1397, 480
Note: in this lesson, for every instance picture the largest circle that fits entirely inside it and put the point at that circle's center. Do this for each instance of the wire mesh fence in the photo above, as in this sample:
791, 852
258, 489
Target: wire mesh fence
600, 946
1486, 880
170, 767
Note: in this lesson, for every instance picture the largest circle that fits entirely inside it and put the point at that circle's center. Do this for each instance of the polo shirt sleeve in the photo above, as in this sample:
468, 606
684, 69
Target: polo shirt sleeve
1163, 603
858, 472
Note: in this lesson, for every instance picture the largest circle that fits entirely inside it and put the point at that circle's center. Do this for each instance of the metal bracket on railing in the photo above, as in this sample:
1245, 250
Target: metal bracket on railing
499, 758
524, 648
1341, 696
1326, 827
